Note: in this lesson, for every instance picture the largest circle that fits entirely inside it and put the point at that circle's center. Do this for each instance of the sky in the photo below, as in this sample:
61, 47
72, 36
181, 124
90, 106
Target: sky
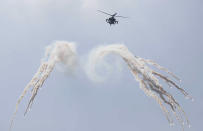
168, 32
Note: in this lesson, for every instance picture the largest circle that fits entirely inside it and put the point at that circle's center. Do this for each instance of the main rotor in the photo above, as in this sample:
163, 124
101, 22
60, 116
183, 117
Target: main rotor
112, 15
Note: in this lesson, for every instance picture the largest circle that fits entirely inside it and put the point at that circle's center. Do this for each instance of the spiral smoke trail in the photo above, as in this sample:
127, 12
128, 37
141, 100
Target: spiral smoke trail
147, 78
59, 52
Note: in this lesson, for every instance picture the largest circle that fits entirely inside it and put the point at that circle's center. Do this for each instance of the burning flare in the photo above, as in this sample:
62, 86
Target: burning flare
59, 52
147, 78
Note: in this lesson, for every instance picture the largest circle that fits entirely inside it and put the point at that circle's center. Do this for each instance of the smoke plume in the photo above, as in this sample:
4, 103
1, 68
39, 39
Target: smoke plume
147, 78
64, 53
59, 52
96, 64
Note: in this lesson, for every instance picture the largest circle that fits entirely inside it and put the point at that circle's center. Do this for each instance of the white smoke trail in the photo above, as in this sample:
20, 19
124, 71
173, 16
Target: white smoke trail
96, 62
59, 52
148, 78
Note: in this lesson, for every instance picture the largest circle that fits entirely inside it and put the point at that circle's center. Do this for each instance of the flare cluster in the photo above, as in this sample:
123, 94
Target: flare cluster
65, 53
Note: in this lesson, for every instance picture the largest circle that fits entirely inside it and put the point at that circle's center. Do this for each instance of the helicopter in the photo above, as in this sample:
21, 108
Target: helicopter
112, 20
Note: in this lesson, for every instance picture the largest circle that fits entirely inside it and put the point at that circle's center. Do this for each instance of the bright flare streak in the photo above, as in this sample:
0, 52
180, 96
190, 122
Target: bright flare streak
147, 78
59, 52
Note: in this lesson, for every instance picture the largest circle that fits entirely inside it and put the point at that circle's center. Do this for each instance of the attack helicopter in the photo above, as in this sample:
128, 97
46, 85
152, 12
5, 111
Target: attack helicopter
112, 20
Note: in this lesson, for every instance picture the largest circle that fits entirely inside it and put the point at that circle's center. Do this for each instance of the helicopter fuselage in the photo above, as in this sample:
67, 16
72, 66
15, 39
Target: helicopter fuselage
112, 20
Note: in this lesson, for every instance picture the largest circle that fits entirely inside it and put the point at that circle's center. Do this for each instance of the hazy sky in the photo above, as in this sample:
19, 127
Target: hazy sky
169, 32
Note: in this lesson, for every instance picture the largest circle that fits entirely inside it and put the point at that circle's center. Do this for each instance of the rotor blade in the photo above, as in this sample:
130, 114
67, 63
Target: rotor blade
122, 16
104, 12
114, 14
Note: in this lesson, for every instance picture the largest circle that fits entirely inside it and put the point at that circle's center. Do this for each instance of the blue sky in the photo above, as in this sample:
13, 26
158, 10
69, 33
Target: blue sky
168, 32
